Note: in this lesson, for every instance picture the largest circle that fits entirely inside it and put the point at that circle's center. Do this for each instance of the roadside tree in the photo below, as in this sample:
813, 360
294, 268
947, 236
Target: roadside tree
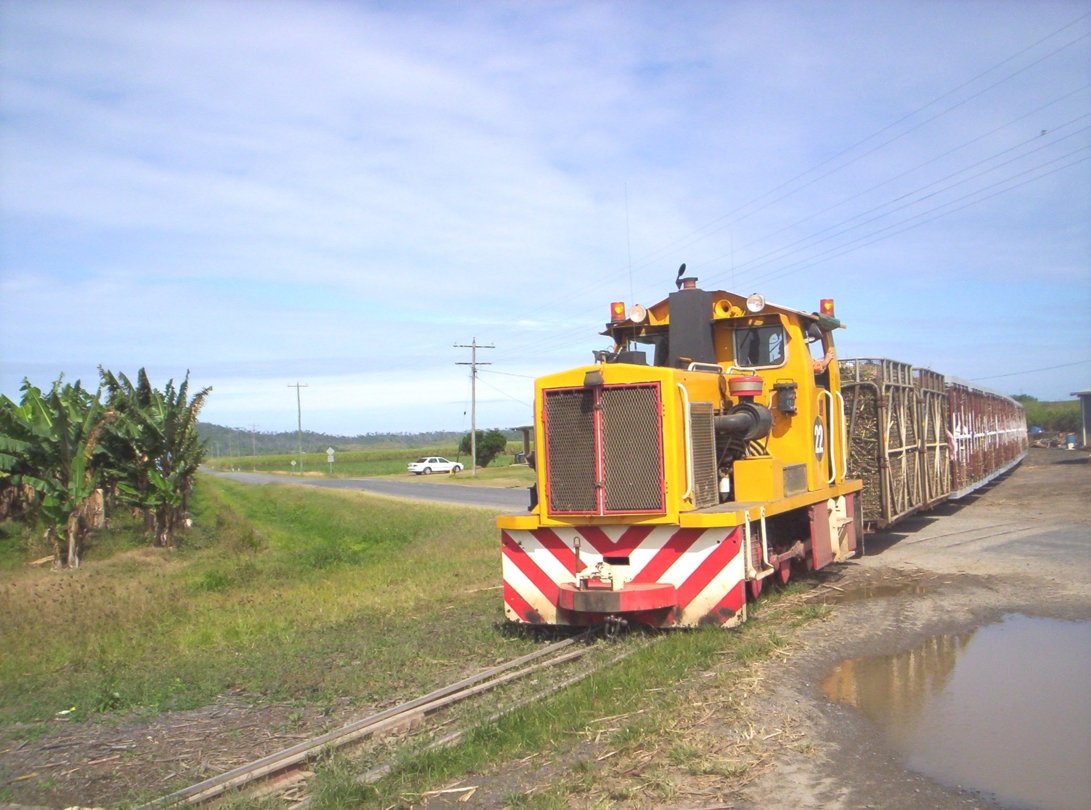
489, 445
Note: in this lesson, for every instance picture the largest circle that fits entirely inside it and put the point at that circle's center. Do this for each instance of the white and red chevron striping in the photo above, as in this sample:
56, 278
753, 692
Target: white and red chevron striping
704, 566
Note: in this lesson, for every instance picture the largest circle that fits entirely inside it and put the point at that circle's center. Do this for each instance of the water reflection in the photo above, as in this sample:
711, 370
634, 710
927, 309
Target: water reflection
892, 690
1004, 709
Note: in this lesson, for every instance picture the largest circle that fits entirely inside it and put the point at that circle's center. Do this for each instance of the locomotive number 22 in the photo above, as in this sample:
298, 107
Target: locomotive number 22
819, 440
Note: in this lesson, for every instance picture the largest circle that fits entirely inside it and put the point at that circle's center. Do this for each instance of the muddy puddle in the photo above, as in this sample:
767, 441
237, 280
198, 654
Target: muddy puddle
1003, 710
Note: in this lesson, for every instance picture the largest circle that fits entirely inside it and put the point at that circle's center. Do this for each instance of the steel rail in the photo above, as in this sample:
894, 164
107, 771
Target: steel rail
377, 773
396, 715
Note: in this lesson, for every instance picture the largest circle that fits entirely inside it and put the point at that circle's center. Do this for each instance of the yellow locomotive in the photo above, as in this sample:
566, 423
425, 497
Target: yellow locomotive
701, 455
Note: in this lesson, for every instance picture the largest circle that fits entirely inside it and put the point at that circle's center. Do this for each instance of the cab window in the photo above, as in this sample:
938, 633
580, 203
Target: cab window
759, 346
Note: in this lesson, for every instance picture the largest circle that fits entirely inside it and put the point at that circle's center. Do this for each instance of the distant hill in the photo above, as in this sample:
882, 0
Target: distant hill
225, 441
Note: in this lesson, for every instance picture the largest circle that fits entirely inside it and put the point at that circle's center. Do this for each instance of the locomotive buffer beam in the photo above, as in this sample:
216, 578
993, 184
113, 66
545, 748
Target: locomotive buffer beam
630, 598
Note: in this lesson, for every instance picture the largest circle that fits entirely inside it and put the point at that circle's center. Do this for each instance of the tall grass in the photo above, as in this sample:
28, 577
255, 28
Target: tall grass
278, 593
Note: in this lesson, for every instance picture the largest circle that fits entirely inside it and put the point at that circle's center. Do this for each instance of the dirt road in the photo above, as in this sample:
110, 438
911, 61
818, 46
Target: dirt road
1023, 546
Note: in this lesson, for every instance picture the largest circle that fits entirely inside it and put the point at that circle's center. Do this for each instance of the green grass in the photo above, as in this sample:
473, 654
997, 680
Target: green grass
281, 593
651, 689
353, 463
277, 593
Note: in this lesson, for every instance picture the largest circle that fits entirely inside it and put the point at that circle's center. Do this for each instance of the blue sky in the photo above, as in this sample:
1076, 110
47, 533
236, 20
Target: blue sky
336, 194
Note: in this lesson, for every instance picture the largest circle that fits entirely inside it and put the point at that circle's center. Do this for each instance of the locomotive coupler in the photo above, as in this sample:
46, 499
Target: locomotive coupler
613, 625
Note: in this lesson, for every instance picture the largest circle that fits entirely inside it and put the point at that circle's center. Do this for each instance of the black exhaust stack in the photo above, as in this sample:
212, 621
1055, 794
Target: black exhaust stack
690, 331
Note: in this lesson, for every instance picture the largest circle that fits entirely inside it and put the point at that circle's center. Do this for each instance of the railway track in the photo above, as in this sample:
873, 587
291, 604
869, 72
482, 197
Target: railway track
287, 766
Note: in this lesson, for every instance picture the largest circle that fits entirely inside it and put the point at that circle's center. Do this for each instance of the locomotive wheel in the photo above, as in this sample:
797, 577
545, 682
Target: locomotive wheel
753, 588
784, 572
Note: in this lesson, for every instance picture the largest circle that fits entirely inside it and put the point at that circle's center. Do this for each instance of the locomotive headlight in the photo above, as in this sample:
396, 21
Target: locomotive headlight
637, 314
617, 311
756, 302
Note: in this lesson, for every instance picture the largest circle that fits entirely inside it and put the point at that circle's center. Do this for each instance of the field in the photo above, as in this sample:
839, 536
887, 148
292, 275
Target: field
353, 463
285, 612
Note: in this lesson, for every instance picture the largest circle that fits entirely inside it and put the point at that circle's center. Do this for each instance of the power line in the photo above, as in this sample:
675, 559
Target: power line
506, 394
768, 257
565, 337
902, 174
866, 240
708, 229
1030, 371
510, 374
579, 334
560, 338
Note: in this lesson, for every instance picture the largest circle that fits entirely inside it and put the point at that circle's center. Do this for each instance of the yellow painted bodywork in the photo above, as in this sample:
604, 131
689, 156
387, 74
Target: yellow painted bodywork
794, 439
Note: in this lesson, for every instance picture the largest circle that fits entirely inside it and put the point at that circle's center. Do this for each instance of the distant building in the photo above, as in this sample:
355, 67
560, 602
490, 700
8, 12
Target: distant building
1085, 411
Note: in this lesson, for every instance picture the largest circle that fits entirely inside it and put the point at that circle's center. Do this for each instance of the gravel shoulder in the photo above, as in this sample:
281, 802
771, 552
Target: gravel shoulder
1021, 546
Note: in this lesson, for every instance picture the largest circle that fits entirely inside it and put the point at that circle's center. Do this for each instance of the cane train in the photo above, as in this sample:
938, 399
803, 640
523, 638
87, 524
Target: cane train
708, 453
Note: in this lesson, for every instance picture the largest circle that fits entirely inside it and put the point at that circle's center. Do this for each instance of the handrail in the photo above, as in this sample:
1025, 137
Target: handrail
740, 369
687, 427
768, 569
829, 440
753, 573
844, 438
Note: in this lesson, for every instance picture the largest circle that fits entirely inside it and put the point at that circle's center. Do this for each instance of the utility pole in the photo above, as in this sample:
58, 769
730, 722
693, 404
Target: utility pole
299, 421
254, 447
473, 364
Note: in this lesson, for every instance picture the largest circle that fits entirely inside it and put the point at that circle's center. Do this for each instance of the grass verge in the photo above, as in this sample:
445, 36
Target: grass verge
628, 731
354, 463
279, 594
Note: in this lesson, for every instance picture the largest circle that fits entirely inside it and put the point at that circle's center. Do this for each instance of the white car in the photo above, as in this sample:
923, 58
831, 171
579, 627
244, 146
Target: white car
430, 464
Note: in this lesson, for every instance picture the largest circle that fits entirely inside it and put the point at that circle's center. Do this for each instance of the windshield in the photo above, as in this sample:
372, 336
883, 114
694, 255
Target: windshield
759, 346
421, 460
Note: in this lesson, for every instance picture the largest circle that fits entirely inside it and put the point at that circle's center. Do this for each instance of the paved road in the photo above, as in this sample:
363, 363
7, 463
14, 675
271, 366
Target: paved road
506, 500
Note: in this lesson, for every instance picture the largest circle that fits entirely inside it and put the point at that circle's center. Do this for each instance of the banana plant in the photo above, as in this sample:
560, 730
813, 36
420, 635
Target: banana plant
154, 452
47, 444
17, 497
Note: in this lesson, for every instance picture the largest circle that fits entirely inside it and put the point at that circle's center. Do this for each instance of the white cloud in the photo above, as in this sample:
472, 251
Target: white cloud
348, 188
